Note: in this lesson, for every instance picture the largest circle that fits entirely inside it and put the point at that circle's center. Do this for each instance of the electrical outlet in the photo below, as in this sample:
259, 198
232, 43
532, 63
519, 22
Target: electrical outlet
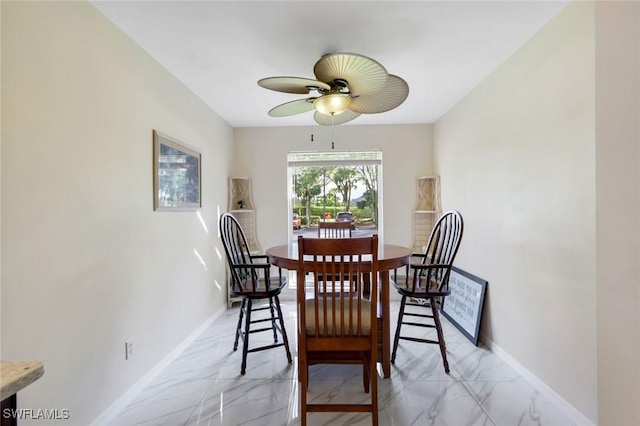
128, 349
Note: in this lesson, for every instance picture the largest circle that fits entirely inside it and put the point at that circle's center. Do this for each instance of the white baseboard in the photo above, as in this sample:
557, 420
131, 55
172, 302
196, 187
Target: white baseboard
578, 418
110, 413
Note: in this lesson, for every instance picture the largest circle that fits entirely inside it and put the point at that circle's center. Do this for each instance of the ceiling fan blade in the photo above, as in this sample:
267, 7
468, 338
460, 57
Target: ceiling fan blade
327, 120
363, 75
297, 85
292, 108
391, 96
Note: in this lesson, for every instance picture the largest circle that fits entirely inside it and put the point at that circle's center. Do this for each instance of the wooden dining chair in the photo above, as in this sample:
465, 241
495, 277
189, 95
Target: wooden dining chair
334, 230
426, 283
251, 280
337, 325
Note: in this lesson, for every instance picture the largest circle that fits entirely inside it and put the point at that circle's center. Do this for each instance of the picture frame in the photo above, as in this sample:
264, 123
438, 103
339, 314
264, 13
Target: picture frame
463, 306
177, 175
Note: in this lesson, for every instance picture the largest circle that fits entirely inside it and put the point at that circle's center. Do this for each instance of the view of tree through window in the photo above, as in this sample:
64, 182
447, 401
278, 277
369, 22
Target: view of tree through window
324, 186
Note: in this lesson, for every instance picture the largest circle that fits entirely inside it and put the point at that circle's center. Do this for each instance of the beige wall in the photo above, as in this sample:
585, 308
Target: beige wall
87, 263
517, 158
261, 154
617, 207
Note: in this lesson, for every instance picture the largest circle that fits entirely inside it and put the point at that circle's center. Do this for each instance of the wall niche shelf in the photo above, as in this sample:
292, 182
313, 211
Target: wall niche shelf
240, 195
426, 212
240, 205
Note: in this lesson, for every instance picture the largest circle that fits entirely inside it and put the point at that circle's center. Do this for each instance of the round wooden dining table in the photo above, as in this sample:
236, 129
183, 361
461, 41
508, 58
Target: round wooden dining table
390, 256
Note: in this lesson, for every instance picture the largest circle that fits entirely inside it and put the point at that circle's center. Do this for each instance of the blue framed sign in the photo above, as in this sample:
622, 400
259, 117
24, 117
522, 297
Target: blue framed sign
463, 307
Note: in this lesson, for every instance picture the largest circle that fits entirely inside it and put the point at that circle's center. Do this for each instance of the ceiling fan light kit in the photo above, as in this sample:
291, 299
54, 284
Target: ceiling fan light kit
347, 85
332, 103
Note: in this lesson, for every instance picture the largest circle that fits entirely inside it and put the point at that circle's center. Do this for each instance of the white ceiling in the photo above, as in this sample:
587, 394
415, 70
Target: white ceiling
219, 49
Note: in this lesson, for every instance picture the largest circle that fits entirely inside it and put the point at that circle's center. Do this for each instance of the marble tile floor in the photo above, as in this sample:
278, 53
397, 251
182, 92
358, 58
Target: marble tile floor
203, 386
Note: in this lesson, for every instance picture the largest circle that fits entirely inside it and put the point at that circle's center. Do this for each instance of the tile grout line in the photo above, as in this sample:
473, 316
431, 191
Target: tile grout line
464, 384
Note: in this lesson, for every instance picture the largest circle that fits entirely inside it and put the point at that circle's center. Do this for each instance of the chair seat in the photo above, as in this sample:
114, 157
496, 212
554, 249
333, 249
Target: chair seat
404, 287
311, 314
275, 288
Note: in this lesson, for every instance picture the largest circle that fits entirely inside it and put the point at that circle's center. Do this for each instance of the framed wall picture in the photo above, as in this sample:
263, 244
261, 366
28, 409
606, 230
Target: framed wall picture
176, 175
463, 307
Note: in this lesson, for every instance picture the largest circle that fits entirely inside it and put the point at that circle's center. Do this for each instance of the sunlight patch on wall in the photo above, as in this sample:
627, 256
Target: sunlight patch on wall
202, 262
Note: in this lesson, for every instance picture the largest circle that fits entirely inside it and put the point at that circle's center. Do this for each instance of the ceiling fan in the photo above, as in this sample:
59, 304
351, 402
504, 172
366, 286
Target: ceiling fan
347, 85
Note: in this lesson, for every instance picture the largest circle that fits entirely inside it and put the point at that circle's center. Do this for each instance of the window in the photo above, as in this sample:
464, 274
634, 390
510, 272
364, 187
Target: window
323, 184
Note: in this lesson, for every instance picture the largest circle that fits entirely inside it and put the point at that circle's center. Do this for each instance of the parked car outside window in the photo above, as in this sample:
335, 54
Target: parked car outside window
346, 217
296, 221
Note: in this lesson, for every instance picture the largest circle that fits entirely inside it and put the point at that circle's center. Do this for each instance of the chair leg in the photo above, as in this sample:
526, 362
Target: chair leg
273, 320
441, 343
245, 345
239, 327
284, 331
366, 374
304, 384
374, 391
397, 336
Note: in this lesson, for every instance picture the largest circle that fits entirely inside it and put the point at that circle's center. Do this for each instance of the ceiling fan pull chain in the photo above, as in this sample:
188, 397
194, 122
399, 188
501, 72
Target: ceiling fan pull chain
332, 147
